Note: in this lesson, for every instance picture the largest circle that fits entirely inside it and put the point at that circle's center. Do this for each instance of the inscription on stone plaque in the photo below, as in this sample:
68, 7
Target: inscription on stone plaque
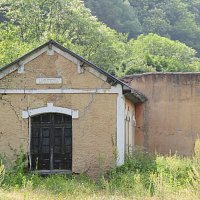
48, 81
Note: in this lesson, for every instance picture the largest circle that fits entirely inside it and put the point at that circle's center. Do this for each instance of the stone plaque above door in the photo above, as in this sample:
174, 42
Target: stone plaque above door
47, 81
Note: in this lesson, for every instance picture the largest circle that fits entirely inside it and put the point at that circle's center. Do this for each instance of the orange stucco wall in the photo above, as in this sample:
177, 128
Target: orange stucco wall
169, 121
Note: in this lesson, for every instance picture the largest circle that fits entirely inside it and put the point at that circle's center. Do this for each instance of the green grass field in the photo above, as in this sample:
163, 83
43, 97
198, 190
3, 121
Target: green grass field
143, 176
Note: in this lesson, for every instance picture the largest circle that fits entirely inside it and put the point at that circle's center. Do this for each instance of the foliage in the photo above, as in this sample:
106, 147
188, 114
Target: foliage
197, 151
143, 176
117, 14
174, 170
2, 172
67, 22
156, 53
11, 47
177, 19
16, 175
68, 184
28, 24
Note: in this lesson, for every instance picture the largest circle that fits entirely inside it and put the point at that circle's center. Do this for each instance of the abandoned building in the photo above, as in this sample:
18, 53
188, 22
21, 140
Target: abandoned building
67, 114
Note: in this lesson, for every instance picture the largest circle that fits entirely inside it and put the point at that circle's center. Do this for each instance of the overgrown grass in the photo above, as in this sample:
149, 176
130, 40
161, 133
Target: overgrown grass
143, 176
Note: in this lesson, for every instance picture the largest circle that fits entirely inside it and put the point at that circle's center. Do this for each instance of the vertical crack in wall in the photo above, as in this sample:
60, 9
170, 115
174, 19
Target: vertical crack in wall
86, 109
11, 106
88, 106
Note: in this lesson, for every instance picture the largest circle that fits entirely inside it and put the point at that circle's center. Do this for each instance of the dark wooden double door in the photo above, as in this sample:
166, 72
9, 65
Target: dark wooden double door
51, 142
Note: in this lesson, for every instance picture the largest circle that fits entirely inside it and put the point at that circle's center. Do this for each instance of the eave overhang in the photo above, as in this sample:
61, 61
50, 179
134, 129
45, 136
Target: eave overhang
134, 95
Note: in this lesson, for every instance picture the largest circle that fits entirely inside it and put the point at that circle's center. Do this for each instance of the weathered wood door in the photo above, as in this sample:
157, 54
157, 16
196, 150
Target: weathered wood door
51, 142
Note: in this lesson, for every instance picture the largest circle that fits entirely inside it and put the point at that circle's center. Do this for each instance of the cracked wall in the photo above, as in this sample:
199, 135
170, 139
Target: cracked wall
169, 121
52, 66
93, 132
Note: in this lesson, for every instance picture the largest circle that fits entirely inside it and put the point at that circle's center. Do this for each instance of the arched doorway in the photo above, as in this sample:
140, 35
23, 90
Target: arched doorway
51, 142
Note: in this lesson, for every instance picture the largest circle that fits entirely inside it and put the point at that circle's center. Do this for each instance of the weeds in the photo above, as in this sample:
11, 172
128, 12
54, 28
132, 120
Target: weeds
2, 172
142, 176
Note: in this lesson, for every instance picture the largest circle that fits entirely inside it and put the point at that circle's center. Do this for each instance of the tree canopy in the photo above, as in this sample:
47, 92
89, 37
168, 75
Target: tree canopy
117, 14
25, 24
66, 21
156, 53
175, 19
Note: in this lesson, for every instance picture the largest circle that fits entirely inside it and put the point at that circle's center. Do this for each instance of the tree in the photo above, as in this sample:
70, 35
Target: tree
71, 24
176, 19
11, 46
3, 10
31, 23
117, 14
156, 53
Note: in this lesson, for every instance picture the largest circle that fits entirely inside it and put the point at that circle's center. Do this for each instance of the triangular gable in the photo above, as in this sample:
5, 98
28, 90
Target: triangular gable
49, 47
52, 46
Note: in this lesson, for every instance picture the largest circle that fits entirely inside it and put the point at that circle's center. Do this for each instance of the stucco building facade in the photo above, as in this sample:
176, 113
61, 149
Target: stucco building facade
67, 114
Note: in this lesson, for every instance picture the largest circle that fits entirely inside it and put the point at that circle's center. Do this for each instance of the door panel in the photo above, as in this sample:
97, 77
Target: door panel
51, 142
57, 150
35, 143
44, 152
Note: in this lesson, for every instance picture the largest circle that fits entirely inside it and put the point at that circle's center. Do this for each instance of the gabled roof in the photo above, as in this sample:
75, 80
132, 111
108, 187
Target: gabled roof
127, 90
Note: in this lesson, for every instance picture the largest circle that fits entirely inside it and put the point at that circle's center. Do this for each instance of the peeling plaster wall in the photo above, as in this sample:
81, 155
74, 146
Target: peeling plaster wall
170, 120
94, 132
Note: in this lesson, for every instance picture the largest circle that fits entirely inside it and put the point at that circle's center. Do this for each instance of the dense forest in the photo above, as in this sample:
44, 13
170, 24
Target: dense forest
122, 37
175, 19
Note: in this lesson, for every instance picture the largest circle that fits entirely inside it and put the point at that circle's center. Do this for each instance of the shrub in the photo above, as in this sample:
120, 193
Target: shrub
16, 174
67, 184
174, 170
2, 172
194, 173
140, 162
142, 175
197, 151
